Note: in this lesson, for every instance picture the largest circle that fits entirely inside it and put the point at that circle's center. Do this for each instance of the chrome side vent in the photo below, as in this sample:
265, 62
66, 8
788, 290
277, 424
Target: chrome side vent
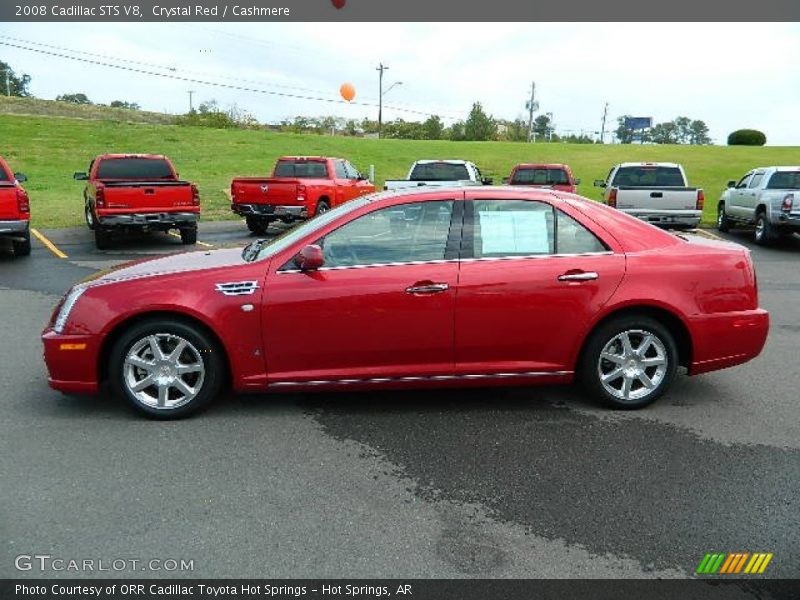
237, 288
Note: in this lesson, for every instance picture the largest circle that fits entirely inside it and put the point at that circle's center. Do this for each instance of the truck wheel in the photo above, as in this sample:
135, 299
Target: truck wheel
22, 247
102, 238
165, 368
765, 233
629, 362
257, 225
89, 216
323, 206
188, 235
723, 224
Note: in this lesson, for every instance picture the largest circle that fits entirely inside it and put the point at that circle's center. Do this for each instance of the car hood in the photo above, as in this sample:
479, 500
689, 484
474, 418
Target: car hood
174, 263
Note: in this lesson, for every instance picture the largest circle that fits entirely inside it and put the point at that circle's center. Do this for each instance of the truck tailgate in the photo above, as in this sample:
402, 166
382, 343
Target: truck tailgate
8, 202
149, 196
259, 190
656, 198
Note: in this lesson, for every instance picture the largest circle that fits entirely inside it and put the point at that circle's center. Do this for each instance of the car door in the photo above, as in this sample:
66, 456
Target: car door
532, 278
380, 307
359, 185
749, 198
341, 183
737, 206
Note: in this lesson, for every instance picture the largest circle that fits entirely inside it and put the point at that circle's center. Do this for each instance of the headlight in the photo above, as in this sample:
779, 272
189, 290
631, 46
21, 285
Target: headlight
66, 308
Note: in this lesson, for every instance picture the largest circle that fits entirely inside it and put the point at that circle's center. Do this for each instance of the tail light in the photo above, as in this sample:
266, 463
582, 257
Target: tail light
788, 201
612, 198
701, 198
301, 193
195, 195
100, 196
23, 203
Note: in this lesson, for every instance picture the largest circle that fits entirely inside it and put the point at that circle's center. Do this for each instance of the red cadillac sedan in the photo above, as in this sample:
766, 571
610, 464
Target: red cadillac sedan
448, 287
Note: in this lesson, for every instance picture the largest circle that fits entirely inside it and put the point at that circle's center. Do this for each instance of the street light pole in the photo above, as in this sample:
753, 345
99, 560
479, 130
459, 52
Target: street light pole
380, 68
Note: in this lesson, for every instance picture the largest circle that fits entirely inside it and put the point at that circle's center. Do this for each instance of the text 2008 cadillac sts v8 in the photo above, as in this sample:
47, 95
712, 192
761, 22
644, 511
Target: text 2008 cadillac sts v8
448, 287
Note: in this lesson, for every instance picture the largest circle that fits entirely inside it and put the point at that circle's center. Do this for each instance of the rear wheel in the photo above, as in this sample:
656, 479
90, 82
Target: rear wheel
323, 206
166, 369
22, 247
723, 224
102, 238
765, 233
188, 235
258, 225
629, 362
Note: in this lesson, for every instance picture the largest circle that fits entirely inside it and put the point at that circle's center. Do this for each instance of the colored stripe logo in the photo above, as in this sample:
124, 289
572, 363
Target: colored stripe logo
721, 563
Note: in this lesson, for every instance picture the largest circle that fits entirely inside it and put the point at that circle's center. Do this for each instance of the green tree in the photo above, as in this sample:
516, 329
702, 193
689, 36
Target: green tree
124, 104
683, 130
74, 98
479, 126
665, 133
456, 132
541, 125
516, 130
11, 84
698, 133
433, 128
624, 135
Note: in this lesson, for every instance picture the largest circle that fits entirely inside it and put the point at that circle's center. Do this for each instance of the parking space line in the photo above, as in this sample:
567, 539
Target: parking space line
48, 244
199, 243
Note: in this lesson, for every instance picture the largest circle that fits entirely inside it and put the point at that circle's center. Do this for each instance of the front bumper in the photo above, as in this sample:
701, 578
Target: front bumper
145, 219
14, 229
684, 218
270, 210
72, 362
727, 339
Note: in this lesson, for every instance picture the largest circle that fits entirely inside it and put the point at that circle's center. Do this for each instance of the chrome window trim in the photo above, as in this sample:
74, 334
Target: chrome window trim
527, 256
420, 378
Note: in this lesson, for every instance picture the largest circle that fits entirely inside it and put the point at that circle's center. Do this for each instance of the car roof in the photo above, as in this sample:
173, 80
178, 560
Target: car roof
542, 166
450, 161
133, 155
649, 164
309, 158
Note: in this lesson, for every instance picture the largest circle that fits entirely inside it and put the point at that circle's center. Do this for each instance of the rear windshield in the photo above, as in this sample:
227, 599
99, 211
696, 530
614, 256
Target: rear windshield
439, 171
301, 168
649, 177
784, 180
540, 177
134, 168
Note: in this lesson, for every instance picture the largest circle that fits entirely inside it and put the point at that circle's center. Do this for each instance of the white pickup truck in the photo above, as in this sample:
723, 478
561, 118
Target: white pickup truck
767, 197
655, 192
439, 173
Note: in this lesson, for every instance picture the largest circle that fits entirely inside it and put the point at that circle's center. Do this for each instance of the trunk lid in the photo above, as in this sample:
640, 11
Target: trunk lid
148, 196
9, 209
265, 190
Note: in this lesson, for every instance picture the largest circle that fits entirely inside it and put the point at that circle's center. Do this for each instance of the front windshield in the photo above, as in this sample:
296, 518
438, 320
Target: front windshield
286, 239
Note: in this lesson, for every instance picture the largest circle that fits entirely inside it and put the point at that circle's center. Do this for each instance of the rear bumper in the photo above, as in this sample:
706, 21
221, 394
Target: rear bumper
144, 219
270, 210
688, 218
727, 339
14, 228
788, 221
71, 362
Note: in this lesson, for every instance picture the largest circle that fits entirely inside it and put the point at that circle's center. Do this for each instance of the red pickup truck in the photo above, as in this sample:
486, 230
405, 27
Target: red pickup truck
300, 187
138, 191
554, 176
15, 210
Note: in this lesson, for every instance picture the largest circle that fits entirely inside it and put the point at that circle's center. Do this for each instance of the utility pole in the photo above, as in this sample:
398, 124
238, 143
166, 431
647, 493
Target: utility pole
8, 87
380, 68
532, 105
191, 108
603, 126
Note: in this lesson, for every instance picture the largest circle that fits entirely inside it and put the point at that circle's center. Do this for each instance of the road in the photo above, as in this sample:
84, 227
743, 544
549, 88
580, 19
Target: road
492, 483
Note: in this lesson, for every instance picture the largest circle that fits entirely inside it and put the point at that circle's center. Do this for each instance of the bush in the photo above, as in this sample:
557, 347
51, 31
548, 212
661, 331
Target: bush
747, 137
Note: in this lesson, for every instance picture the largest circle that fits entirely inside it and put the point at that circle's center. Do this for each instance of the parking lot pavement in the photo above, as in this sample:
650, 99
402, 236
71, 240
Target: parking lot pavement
532, 482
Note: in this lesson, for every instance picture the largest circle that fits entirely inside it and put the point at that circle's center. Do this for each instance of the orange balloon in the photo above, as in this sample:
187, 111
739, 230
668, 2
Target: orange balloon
347, 91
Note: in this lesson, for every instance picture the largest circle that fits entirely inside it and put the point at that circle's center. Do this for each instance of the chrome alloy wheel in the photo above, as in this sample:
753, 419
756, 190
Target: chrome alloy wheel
632, 365
163, 371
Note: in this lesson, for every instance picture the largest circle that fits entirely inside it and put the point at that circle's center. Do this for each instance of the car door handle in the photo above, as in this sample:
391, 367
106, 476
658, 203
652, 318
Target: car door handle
578, 276
427, 288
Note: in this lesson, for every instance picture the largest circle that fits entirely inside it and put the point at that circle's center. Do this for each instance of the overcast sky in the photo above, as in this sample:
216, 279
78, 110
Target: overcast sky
729, 75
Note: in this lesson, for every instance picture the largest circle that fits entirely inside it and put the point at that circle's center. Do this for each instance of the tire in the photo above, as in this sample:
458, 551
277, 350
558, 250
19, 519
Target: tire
723, 223
22, 247
88, 215
627, 390
323, 206
188, 235
102, 238
764, 233
154, 343
258, 225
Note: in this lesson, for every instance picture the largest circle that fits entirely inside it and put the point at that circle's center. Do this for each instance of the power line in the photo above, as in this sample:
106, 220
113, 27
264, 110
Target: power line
228, 86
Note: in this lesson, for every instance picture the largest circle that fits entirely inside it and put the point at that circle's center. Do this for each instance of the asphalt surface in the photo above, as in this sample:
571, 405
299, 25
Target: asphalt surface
535, 482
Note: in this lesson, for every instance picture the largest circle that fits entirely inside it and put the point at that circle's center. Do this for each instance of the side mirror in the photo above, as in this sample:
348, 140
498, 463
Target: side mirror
20, 177
487, 181
309, 258
599, 183
79, 175
578, 181
506, 180
732, 183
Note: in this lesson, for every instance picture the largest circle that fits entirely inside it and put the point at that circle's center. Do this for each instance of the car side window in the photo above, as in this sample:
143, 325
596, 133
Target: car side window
352, 172
503, 228
414, 232
756, 180
338, 166
574, 238
744, 181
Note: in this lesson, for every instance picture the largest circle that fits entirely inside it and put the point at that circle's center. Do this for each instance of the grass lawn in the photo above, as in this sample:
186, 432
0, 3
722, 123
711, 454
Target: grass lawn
49, 149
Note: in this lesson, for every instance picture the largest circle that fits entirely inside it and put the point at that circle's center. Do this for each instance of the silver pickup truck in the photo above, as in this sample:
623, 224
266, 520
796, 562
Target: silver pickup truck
767, 197
439, 173
654, 192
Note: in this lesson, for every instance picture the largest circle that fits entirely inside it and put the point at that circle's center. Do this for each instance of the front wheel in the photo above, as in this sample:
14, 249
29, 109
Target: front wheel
723, 223
629, 362
88, 214
166, 369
